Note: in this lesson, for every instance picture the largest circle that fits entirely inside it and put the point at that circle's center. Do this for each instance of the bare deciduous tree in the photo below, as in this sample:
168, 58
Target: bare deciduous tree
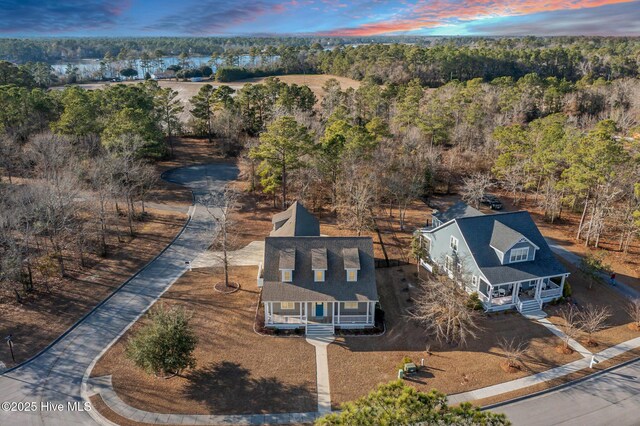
593, 319
474, 188
356, 197
221, 205
441, 308
633, 309
514, 349
571, 326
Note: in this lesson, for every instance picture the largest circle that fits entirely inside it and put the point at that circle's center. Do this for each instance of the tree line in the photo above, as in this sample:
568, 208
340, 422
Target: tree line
76, 173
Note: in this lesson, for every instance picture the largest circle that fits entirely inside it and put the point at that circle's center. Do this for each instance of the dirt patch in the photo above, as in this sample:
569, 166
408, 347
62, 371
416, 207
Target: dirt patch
238, 371
358, 364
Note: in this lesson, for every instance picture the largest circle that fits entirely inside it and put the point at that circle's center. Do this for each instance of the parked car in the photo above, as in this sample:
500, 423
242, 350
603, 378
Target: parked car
492, 201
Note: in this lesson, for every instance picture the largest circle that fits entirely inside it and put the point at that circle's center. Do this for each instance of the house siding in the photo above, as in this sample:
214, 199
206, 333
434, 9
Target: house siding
532, 250
440, 247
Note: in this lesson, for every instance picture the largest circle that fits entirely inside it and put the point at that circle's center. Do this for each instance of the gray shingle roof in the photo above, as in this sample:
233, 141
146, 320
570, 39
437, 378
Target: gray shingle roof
335, 287
287, 258
351, 257
457, 211
478, 233
503, 237
295, 221
319, 259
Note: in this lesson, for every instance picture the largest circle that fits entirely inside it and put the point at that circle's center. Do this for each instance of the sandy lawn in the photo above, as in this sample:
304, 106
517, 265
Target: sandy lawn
600, 294
358, 364
238, 371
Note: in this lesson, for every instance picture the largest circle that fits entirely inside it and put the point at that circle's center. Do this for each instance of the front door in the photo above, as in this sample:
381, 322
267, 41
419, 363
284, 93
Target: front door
319, 309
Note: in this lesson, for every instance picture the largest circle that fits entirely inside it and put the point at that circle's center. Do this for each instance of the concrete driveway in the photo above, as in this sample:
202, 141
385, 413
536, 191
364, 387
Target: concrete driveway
611, 398
47, 384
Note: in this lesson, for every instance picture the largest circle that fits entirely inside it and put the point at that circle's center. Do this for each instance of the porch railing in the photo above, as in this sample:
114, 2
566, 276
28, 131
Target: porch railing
287, 319
554, 292
351, 319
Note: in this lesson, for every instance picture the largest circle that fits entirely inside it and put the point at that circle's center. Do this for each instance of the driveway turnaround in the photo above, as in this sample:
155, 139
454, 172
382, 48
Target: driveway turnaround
47, 390
610, 398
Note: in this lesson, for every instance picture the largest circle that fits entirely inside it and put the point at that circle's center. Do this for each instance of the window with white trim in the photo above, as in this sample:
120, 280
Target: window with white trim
519, 254
287, 306
318, 275
351, 305
453, 243
474, 281
287, 275
352, 275
448, 263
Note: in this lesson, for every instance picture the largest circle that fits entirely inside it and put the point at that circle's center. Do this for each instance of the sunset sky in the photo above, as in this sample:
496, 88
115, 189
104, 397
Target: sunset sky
319, 17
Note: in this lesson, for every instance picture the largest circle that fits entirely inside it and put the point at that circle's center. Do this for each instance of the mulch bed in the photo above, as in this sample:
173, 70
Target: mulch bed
226, 289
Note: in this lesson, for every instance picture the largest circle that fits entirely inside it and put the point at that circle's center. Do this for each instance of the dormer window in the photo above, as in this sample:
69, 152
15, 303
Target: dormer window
319, 263
453, 243
351, 263
519, 254
287, 264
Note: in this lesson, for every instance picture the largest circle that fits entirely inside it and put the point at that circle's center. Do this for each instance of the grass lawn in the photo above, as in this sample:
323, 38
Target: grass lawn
599, 294
238, 371
358, 364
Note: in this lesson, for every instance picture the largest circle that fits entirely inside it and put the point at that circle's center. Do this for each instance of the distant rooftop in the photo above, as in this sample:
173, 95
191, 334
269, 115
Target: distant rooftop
296, 221
457, 211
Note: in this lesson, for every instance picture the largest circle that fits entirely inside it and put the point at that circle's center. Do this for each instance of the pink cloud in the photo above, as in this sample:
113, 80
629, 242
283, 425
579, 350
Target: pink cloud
439, 12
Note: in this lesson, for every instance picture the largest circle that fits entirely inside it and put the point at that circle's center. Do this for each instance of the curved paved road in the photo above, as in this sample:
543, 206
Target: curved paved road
611, 398
55, 376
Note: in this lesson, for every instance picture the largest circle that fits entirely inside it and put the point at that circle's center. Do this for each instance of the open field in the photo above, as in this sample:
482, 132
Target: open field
187, 89
238, 371
358, 364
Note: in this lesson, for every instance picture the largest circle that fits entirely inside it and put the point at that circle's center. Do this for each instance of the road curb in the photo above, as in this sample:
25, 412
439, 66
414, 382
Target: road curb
561, 386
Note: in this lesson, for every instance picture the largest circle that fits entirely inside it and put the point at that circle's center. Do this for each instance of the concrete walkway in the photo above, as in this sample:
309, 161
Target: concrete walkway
572, 343
322, 371
55, 376
544, 376
250, 255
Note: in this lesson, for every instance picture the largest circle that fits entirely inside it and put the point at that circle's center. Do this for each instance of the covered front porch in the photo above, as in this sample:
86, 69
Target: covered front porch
339, 314
522, 295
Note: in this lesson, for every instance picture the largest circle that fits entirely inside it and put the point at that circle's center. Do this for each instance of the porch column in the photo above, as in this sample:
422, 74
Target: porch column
538, 288
373, 312
515, 291
306, 315
562, 285
333, 313
367, 319
490, 288
300, 312
338, 313
267, 319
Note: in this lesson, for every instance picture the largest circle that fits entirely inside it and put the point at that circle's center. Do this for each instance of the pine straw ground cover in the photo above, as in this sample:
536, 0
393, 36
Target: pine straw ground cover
45, 315
237, 372
600, 294
358, 364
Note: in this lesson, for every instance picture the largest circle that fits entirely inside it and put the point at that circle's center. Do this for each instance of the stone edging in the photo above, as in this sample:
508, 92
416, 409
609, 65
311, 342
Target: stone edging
104, 387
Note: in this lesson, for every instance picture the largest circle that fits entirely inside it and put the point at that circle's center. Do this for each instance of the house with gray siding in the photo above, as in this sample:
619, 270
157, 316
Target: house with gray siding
316, 282
502, 257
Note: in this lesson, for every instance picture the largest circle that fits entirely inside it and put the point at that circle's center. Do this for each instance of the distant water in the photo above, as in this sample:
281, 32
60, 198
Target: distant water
90, 68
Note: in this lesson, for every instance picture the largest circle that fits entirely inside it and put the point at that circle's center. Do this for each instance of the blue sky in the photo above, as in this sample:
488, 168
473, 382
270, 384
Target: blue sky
323, 17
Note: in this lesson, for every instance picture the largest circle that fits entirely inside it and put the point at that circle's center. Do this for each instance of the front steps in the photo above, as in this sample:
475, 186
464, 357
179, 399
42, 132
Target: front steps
319, 330
530, 309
